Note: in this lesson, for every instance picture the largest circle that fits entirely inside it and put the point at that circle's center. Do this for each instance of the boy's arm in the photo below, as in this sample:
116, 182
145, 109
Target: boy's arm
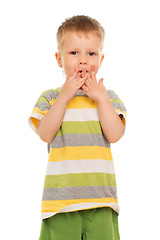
112, 125
49, 125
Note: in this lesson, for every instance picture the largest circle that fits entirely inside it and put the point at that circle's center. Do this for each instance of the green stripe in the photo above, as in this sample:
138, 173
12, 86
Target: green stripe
52, 90
87, 127
118, 101
79, 179
42, 99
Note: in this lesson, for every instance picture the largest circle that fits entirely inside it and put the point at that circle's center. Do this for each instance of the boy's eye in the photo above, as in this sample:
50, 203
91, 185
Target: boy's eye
91, 54
73, 53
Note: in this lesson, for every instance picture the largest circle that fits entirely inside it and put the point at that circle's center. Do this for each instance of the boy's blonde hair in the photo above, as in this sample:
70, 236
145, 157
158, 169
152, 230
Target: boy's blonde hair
80, 23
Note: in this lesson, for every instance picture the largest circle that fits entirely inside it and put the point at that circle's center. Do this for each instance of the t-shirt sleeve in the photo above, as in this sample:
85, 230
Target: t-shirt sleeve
118, 105
41, 107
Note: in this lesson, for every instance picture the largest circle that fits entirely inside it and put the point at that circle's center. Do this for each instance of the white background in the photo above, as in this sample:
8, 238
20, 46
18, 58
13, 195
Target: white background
131, 68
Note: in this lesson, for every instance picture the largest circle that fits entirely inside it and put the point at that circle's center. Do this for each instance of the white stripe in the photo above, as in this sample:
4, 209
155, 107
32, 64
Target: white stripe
80, 166
119, 112
47, 214
81, 206
84, 114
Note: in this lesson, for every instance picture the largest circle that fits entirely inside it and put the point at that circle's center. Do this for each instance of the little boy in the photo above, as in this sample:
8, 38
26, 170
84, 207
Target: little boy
79, 121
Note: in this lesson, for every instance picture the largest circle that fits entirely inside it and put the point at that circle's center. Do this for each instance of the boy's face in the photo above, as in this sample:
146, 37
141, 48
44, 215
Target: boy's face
80, 50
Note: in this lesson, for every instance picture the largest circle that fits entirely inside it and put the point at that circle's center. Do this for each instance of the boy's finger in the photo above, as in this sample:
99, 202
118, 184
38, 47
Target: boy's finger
92, 68
75, 74
90, 73
82, 80
101, 80
84, 70
93, 77
87, 83
85, 77
85, 88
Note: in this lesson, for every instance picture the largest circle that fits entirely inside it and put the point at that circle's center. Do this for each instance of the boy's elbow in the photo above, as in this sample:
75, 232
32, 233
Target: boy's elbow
45, 139
43, 136
115, 138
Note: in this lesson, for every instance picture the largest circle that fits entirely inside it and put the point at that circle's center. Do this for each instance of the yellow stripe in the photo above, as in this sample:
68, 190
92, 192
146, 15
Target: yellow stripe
125, 113
34, 121
52, 101
79, 102
82, 102
80, 152
57, 205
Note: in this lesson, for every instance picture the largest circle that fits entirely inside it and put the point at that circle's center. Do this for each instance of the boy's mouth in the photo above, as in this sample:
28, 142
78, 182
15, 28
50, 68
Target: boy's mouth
80, 72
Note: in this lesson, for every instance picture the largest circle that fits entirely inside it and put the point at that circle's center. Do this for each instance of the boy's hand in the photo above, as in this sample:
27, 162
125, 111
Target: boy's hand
71, 85
94, 89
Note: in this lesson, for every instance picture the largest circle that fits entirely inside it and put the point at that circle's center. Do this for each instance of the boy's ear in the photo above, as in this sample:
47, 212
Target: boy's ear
58, 58
102, 58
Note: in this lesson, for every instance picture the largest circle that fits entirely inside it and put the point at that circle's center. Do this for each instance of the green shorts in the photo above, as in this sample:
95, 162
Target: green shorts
92, 224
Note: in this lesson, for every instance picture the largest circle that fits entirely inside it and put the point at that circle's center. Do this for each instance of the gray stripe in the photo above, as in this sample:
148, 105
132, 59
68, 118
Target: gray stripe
112, 94
81, 93
79, 140
79, 193
43, 106
48, 95
119, 106
116, 105
51, 94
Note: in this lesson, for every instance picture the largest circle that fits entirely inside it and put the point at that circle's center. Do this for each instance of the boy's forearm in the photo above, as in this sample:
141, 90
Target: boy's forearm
51, 122
111, 123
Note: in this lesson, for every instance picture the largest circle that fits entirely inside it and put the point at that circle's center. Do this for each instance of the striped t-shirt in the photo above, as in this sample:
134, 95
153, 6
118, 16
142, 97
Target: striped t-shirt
80, 172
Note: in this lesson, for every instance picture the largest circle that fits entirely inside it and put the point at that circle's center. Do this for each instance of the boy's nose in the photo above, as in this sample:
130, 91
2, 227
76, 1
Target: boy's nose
83, 61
